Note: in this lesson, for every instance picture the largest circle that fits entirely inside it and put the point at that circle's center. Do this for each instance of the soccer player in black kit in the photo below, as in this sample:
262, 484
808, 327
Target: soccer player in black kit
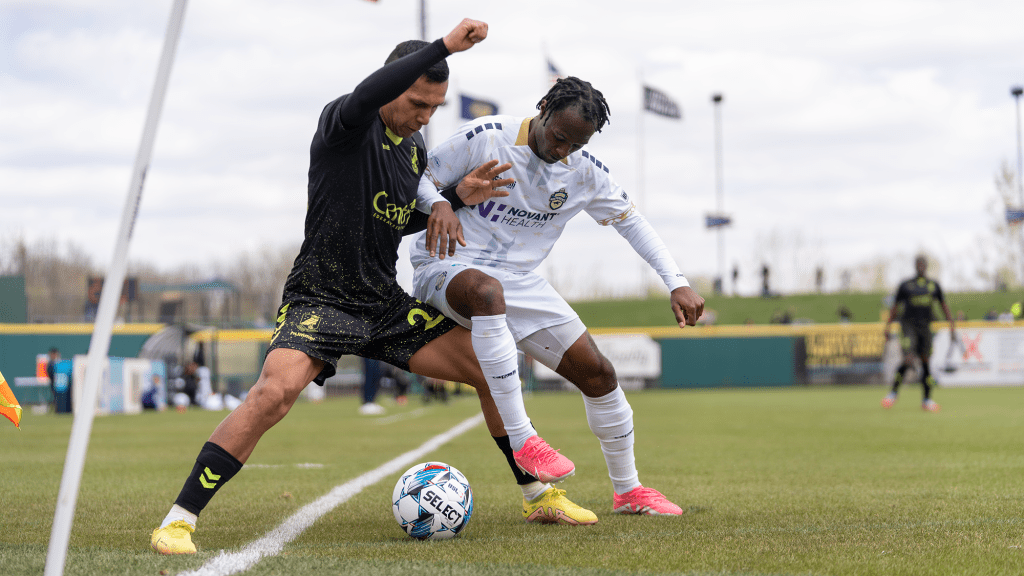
342, 296
916, 298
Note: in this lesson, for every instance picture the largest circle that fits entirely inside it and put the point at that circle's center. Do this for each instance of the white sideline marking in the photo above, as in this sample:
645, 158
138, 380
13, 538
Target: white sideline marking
398, 417
309, 465
274, 541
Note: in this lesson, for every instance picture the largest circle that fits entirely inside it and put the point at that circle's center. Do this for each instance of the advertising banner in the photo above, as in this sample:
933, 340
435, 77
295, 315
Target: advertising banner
636, 358
979, 357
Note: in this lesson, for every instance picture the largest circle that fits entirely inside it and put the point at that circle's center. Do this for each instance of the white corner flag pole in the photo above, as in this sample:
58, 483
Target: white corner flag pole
99, 345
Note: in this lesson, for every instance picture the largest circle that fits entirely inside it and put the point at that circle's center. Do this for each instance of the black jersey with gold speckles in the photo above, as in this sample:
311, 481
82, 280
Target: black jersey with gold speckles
362, 191
918, 296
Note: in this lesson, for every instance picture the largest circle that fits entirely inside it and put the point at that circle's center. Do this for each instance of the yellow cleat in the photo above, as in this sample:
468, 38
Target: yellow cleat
175, 538
552, 507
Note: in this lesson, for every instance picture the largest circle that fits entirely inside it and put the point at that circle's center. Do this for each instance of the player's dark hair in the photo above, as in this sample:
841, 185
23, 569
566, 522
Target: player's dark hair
572, 91
437, 73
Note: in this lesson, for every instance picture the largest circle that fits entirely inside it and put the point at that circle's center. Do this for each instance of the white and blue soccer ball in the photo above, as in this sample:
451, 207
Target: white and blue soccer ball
433, 501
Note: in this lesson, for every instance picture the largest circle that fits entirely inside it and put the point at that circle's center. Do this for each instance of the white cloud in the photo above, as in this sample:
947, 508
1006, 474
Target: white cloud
864, 128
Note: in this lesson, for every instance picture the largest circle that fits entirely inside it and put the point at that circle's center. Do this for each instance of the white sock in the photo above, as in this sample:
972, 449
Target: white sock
495, 349
179, 513
611, 420
534, 489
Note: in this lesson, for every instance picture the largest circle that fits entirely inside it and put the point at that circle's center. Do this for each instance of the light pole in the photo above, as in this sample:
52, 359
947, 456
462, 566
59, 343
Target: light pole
1016, 91
716, 99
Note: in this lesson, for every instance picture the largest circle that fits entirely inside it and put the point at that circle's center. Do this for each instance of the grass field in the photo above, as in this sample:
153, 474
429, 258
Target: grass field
817, 308
801, 481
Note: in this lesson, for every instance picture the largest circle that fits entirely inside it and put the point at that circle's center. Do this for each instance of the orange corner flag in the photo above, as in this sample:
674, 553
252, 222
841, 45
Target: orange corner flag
9, 406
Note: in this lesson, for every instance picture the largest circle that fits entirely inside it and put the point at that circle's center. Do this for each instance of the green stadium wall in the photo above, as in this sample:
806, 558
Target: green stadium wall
732, 362
20, 343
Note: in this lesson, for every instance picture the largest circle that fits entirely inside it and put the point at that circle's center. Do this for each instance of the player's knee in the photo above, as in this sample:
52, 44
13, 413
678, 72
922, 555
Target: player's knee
487, 297
271, 398
599, 378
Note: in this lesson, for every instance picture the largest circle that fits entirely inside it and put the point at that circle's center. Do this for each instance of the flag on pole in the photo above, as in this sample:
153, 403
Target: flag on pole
9, 406
553, 73
659, 103
473, 108
717, 220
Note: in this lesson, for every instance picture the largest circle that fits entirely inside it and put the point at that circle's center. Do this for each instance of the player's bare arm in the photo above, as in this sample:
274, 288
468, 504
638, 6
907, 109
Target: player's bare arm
687, 305
464, 36
949, 318
443, 226
481, 184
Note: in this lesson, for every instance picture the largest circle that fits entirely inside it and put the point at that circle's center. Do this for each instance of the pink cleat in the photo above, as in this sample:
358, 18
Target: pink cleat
543, 461
930, 406
889, 400
642, 500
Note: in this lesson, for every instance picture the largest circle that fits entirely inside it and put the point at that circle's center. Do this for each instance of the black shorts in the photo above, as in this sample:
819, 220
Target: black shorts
917, 338
389, 331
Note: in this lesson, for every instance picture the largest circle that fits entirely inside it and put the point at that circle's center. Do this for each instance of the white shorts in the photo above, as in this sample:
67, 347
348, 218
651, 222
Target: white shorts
541, 321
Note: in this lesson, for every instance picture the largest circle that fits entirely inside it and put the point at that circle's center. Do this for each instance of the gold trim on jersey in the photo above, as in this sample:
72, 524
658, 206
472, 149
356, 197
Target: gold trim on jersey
523, 139
395, 139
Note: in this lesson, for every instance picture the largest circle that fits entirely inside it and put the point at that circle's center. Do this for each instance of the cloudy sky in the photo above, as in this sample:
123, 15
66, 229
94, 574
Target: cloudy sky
852, 132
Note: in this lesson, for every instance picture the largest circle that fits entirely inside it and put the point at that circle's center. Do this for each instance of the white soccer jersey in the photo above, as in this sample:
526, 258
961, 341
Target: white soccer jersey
518, 231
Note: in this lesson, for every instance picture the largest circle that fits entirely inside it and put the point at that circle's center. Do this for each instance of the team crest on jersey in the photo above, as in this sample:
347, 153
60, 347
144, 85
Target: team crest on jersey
309, 323
557, 199
415, 161
440, 280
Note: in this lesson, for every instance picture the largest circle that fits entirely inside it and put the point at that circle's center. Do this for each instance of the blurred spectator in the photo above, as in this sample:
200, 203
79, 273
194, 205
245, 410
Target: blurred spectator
51, 365
399, 379
991, 315
433, 389
782, 317
204, 385
845, 316
373, 371
151, 399
707, 318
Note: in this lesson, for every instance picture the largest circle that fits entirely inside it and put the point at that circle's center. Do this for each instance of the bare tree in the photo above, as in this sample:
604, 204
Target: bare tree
1009, 236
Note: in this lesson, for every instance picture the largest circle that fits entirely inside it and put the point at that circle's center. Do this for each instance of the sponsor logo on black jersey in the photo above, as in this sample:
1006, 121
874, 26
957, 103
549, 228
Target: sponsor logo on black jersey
415, 161
396, 216
557, 199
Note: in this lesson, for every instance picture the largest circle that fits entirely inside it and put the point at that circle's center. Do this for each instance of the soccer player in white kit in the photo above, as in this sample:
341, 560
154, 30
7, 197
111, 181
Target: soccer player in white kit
490, 287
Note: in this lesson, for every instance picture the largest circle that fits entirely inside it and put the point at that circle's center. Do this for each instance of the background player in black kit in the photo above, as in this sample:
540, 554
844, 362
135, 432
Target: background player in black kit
342, 296
914, 301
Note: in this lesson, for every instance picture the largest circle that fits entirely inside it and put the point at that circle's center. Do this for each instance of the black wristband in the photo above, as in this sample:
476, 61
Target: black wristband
452, 197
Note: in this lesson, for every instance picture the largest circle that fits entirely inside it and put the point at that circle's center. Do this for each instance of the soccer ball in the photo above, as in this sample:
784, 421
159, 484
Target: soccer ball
433, 501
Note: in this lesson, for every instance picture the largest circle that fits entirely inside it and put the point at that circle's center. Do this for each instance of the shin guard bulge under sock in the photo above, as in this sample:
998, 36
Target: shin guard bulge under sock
495, 349
611, 420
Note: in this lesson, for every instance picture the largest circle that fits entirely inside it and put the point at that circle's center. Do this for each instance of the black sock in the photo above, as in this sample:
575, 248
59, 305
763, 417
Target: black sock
522, 478
899, 378
926, 381
213, 468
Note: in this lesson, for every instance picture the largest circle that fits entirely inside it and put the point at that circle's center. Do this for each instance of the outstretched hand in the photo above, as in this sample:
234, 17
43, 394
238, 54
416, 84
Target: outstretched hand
687, 305
465, 35
480, 184
443, 227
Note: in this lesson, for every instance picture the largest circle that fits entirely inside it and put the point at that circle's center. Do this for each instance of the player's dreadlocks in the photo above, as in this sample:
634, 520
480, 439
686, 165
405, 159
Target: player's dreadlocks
572, 91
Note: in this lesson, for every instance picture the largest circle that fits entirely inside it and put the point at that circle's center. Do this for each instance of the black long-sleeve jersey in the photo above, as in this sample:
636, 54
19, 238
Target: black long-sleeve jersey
362, 192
